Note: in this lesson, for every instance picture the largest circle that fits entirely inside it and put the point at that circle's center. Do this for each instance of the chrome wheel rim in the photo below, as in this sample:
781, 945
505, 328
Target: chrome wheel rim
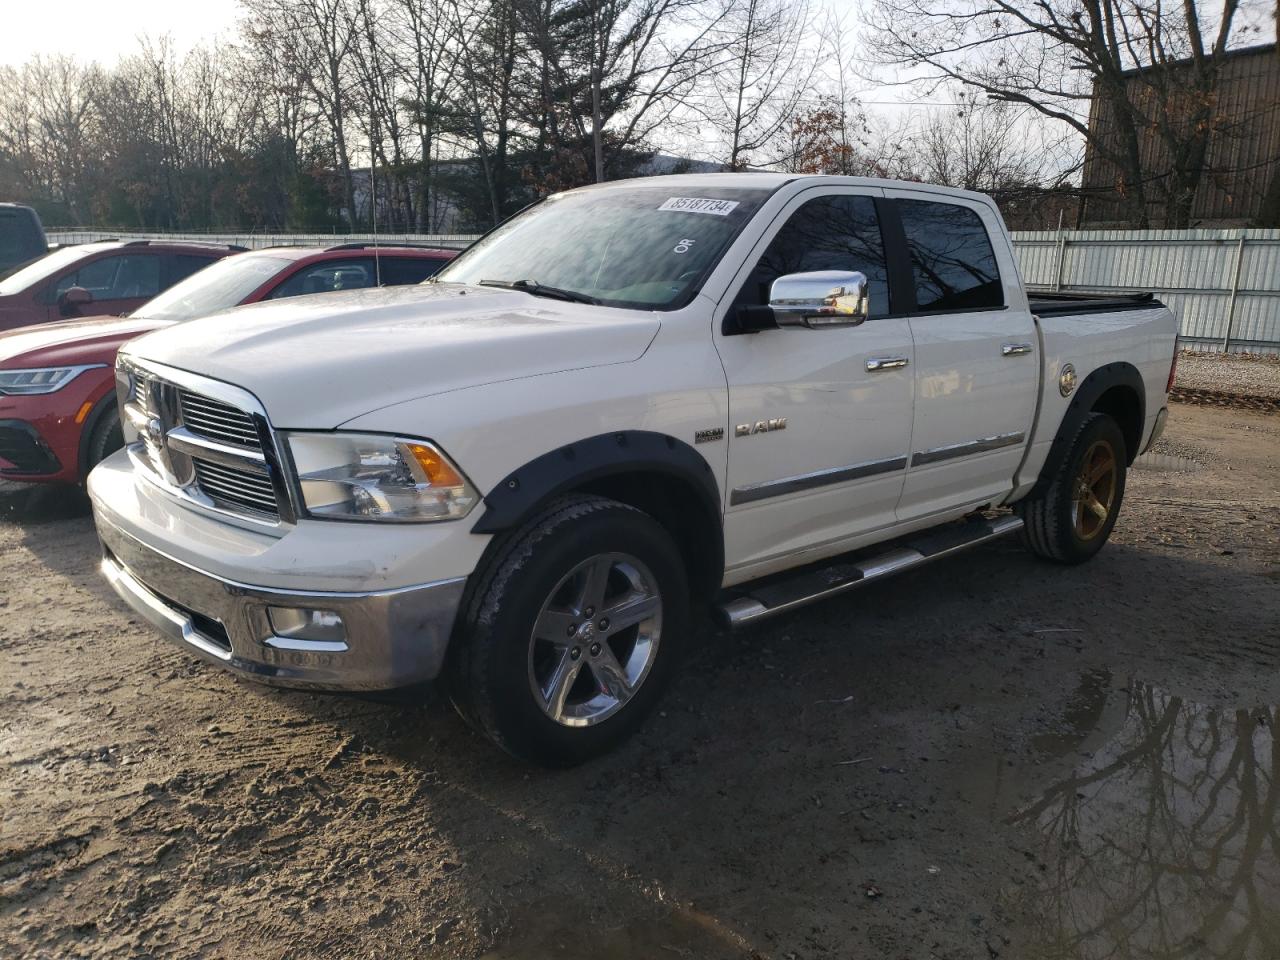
1095, 490
595, 639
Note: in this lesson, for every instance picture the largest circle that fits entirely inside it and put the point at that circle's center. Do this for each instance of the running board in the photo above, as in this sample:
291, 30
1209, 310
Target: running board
752, 603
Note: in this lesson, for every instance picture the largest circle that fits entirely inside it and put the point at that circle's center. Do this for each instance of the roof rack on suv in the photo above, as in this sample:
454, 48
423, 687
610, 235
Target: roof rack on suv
369, 245
189, 243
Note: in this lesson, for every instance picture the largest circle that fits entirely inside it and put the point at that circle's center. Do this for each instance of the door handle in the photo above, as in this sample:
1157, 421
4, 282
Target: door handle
1014, 349
886, 363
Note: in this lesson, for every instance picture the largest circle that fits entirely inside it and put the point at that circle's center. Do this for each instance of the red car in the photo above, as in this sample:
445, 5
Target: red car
116, 277
58, 412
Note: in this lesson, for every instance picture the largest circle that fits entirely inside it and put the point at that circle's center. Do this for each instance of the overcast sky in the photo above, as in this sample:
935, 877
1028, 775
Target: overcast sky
102, 30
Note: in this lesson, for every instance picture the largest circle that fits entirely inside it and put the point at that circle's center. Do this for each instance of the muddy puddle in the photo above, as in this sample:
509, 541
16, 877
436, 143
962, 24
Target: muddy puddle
1161, 839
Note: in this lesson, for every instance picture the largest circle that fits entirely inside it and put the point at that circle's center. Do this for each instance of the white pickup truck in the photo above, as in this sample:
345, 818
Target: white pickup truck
744, 390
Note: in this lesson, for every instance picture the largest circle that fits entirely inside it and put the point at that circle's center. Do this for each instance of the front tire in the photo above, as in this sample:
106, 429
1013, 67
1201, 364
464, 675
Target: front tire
106, 439
1071, 520
572, 631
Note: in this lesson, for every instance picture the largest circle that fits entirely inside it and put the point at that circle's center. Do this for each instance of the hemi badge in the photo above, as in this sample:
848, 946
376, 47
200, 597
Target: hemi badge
709, 436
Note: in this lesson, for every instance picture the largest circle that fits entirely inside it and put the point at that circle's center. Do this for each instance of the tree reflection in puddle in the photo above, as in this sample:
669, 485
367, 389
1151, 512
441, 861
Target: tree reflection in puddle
1164, 842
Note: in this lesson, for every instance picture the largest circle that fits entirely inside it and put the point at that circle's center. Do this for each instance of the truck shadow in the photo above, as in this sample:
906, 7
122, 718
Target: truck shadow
30, 504
801, 781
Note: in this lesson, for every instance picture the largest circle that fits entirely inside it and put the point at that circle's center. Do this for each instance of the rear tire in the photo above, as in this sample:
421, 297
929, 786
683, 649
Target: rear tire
106, 439
1073, 517
572, 630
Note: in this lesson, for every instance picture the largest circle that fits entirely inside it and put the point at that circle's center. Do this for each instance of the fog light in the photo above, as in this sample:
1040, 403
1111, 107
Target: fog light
307, 623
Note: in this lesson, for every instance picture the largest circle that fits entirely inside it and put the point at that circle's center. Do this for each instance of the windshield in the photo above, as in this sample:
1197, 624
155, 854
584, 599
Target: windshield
219, 286
645, 247
40, 269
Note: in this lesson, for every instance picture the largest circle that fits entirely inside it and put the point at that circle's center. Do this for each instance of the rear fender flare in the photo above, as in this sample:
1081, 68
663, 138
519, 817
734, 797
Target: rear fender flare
1118, 374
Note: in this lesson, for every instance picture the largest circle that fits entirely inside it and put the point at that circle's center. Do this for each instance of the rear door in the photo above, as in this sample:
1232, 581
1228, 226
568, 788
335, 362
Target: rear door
976, 354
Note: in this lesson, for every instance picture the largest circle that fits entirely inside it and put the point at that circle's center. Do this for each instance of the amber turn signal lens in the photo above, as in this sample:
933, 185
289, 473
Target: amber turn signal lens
437, 470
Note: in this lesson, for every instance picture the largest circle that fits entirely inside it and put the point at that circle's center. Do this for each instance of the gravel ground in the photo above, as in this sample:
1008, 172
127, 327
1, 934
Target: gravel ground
990, 757
1232, 373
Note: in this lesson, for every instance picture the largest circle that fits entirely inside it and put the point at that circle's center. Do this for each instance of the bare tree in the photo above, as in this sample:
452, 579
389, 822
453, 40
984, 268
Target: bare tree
767, 72
1057, 57
314, 40
989, 146
48, 123
429, 65
611, 72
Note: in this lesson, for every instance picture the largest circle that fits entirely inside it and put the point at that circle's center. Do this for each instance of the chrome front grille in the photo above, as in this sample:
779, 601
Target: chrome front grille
144, 388
234, 488
205, 448
217, 420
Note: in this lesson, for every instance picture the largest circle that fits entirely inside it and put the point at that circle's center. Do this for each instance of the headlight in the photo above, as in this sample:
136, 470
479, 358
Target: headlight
366, 476
42, 380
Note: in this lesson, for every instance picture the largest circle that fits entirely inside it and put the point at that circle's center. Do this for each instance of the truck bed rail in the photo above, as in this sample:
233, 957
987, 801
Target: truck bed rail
1058, 304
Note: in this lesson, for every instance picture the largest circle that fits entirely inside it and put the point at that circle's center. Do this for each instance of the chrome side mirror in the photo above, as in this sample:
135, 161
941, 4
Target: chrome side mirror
821, 299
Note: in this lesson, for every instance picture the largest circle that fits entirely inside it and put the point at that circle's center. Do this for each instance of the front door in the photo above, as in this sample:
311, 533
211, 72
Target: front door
977, 357
119, 283
820, 420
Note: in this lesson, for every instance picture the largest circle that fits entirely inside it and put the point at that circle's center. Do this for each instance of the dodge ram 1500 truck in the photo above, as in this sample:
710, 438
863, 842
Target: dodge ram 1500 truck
747, 390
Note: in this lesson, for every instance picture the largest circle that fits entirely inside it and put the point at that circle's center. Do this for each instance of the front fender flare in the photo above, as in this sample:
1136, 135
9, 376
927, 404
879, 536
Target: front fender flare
520, 492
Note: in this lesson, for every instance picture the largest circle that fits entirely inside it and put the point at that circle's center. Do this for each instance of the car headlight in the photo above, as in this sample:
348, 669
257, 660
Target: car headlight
40, 380
368, 476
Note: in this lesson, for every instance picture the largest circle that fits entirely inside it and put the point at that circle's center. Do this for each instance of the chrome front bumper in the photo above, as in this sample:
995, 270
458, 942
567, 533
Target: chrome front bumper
394, 638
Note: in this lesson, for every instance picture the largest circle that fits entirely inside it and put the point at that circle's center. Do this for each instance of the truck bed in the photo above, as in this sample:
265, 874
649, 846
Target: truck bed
1062, 304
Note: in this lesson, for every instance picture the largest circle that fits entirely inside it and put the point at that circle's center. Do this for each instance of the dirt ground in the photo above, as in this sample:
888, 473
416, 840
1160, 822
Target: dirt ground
990, 757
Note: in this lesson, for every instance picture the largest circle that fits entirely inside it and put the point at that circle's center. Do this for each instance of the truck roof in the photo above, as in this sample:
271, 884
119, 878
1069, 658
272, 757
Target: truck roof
764, 180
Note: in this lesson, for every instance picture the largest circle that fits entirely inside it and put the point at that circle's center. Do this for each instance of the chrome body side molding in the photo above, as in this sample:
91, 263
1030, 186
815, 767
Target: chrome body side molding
819, 478
966, 449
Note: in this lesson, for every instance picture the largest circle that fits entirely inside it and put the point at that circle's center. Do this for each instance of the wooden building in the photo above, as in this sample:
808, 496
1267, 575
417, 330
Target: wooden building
1243, 152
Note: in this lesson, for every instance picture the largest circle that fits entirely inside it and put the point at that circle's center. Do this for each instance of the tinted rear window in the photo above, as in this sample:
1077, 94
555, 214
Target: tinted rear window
20, 237
396, 271
952, 262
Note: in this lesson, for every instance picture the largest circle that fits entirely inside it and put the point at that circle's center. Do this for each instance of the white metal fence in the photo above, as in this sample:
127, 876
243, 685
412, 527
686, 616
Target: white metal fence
1223, 285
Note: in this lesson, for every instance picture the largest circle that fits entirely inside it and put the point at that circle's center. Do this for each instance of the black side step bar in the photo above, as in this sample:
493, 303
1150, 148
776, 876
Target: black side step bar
749, 603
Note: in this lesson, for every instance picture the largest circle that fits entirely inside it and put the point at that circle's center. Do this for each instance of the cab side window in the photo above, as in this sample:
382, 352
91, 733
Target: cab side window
121, 277
327, 277
952, 264
828, 233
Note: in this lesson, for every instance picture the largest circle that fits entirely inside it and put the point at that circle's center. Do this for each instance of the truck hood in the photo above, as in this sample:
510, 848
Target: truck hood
69, 342
318, 361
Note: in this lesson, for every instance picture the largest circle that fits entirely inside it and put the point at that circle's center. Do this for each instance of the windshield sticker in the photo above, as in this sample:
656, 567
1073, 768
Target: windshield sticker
717, 208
